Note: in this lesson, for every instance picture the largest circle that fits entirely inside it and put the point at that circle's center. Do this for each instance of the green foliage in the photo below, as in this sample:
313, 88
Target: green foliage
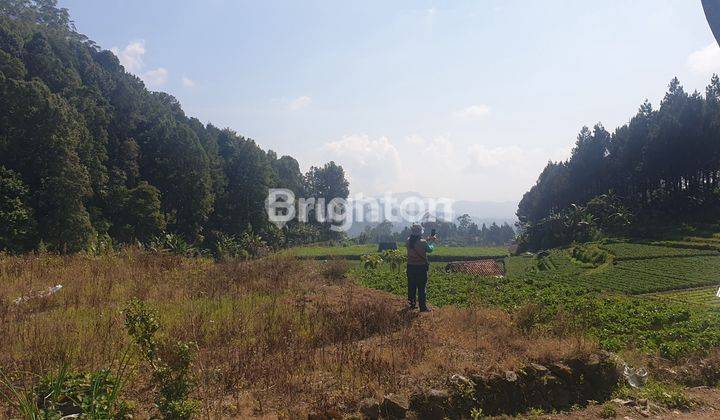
704, 296
394, 257
371, 261
624, 251
137, 214
94, 395
65, 394
670, 328
17, 224
172, 372
608, 411
591, 254
660, 167
667, 396
173, 244
226, 247
443, 288
97, 153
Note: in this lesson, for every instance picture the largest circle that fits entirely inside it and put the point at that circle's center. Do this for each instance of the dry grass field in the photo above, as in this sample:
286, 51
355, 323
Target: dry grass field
272, 337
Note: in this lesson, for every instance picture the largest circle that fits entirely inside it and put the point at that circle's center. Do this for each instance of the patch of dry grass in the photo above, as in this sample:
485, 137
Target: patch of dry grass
275, 335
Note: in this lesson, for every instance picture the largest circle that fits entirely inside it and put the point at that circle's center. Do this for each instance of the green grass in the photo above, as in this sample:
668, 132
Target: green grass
332, 251
358, 250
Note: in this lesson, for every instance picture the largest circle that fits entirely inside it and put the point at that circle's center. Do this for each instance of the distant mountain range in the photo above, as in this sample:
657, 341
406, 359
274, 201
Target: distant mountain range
487, 212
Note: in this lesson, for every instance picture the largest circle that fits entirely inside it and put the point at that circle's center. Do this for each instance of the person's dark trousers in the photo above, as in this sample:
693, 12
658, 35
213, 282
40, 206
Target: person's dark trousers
417, 285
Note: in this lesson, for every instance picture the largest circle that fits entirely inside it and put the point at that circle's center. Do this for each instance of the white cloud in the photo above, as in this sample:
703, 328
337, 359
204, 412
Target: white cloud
705, 60
415, 140
372, 164
474, 111
131, 57
299, 103
482, 157
155, 78
188, 82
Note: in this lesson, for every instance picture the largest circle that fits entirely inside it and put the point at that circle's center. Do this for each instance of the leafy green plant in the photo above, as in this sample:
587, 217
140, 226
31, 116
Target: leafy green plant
371, 261
252, 244
93, 395
394, 257
171, 373
227, 247
172, 244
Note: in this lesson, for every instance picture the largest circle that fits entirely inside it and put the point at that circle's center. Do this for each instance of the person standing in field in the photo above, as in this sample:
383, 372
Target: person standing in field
417, 266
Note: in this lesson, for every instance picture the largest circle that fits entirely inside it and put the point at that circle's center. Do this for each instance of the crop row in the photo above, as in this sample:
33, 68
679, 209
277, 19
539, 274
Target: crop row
705, 296
632, 251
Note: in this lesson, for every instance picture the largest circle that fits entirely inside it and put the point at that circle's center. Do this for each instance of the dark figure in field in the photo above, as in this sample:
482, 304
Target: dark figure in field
417, 266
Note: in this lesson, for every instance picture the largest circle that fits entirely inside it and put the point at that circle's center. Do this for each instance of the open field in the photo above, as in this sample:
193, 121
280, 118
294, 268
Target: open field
288, 336
273, 336
355, 251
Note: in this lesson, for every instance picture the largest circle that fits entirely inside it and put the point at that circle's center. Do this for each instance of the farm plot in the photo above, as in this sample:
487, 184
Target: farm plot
441, 253
704, 296
332, 251
626, 251
656, 275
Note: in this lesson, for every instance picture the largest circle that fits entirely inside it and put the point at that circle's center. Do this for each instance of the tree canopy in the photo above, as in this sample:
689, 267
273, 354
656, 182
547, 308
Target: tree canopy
86, 151
663, 165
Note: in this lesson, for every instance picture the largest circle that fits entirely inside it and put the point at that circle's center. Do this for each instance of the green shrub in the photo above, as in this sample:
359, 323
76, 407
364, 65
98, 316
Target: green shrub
172, 374
591, 254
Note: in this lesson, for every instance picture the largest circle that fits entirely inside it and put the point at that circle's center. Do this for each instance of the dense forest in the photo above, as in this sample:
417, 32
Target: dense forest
89, 156
662, 167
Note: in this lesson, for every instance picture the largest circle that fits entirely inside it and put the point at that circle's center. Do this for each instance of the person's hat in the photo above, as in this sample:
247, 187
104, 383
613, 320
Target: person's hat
416, 229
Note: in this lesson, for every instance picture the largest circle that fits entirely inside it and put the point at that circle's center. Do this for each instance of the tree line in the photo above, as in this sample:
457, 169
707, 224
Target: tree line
88, 154
663, 166
462, 232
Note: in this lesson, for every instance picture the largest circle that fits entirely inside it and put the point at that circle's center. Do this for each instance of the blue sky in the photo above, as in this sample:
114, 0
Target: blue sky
464, 99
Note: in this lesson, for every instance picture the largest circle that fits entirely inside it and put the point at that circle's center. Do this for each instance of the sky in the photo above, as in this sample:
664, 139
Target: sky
465, 99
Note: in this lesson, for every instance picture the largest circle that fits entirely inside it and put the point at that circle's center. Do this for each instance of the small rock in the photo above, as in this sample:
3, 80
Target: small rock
460, 381
370, 408
539, 369
438, 396
625, 403
562, 371
393, 406
511, 376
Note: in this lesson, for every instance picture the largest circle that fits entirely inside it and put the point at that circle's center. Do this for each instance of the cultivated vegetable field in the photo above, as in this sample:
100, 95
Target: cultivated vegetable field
624, 251
356, 251
704, 296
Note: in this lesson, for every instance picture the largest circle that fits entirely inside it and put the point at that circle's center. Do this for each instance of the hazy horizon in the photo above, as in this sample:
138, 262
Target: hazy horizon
467, 101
